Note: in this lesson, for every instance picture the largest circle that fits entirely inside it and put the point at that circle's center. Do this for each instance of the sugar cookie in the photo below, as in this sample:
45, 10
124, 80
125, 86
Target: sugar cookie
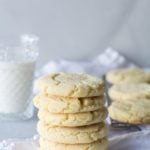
71, 85
73, 120
128, 75
131, 111
76, 135
68, 105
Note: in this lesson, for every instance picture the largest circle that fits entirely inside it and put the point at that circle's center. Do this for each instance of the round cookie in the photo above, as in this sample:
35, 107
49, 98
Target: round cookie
129, 91
71, 85
98, 145
77, 135
73, 120
128, 75
68, 105
131, 111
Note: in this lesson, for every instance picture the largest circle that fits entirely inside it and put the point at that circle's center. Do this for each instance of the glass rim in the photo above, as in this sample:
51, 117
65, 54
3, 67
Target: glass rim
18, 54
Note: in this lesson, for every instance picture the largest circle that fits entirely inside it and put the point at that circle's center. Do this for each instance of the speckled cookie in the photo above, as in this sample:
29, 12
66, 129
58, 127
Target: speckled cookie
71, 85
131, 111
128, 75
68, 105
73, 120
130, 91
76, 135
98, 145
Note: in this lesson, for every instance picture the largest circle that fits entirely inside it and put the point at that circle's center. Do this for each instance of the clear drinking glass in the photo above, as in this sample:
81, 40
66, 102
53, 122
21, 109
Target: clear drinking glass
17, 65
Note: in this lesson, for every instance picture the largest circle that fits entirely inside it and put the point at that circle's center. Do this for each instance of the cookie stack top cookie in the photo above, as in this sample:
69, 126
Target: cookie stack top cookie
71, 85
127, 76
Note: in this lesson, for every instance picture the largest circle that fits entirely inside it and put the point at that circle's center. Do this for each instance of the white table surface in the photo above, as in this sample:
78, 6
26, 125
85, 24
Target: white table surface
18, 129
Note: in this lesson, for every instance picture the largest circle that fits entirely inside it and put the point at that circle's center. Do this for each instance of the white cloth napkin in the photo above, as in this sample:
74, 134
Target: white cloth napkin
97, 66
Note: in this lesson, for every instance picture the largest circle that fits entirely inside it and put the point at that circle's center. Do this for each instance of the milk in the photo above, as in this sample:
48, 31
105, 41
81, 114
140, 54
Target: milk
15, 86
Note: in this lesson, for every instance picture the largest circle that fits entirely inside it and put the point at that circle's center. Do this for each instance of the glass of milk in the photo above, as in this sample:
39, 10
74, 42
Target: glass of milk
17, 65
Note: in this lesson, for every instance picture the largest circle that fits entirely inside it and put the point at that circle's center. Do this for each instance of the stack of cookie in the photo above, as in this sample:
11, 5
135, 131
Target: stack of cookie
71, 112
130, 95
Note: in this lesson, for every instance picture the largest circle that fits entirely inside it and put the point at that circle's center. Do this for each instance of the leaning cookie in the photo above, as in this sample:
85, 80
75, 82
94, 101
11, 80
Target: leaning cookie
128, 75
131, 111
98, 145
129, 91
76, 135
73, 120
56, 104
71, 85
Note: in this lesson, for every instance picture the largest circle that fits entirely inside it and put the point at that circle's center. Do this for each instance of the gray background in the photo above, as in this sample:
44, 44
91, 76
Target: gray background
80, 29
